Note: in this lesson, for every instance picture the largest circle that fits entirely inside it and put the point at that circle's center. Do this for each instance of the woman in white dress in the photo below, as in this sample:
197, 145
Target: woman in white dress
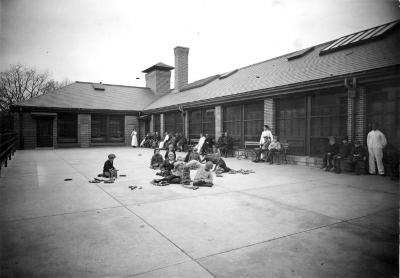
266, 137
199, 146
134, 141
162, 143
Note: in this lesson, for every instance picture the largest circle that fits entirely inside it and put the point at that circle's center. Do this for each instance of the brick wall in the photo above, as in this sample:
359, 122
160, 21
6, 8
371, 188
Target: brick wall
186, 124
158, 81
360, 116
84, 130
269, 113
162, 125
131, 122
218, 121
181, 66
350, 118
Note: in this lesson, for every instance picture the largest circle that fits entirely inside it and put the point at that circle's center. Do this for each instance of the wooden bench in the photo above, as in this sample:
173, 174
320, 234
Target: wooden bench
251, 143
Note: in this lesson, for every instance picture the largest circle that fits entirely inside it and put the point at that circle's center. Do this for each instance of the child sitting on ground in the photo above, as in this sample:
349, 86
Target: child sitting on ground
358, 157
174, 177
167, 166
203, 176
273, 150
220, 165
108, 169
343, 153
170, 150
331, 150
156, 160
192, 155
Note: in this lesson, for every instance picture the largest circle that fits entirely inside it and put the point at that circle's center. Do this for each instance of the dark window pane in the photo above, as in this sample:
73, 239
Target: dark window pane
67, 128
116, 128
99, 128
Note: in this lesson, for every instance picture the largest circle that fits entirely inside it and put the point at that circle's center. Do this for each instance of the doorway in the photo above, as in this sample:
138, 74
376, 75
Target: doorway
44, 132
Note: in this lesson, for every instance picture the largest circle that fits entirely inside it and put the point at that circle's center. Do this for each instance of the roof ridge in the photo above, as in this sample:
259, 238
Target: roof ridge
107, 84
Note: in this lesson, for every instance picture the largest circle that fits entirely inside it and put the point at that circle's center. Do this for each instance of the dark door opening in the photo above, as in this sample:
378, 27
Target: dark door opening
44, 132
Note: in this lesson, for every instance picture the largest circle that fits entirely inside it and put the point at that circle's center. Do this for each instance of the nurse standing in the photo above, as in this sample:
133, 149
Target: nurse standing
134, 141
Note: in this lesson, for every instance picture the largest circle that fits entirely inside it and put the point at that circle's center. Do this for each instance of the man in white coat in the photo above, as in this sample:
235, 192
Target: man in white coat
376, 142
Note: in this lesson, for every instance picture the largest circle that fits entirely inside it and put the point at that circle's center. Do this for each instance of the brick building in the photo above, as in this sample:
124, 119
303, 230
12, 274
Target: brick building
336, 88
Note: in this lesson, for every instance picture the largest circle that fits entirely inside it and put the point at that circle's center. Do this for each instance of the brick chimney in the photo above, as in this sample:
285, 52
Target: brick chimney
181, 66
158, 78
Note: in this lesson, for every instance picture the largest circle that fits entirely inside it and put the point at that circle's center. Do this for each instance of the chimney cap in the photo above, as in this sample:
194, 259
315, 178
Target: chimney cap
158, 66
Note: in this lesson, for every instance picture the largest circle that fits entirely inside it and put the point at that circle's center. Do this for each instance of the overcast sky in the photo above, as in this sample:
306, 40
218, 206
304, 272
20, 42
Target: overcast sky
113, 41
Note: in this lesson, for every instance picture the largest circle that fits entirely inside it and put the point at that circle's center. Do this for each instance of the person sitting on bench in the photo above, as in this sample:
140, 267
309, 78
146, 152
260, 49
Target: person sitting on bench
358, 157
273, 150
331, 150
263, 149
343, 153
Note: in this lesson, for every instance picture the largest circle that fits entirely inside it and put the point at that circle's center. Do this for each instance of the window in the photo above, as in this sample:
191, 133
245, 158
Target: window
384, 109
201, 121
291, 123
107, 128
233, 123
156, 119
173, 122
244, 122
253, 120
328, 118
67, 128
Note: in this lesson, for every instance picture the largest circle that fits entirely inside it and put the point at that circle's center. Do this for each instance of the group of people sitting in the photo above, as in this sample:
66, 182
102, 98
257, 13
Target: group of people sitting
207, 145
176, 170
269, 147
378, 153
153, 140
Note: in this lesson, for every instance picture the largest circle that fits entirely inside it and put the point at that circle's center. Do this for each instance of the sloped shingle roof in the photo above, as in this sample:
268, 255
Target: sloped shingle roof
82, 95
279, 71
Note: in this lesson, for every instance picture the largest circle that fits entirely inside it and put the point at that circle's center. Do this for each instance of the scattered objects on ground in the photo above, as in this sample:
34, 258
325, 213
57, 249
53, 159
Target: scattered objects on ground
68, 179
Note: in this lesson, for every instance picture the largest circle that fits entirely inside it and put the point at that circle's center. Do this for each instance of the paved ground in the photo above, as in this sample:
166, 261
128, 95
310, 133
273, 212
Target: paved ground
282, 221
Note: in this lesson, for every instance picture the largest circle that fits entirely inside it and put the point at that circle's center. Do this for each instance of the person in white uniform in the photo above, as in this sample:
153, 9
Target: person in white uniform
376, 142
134, 142
199, 146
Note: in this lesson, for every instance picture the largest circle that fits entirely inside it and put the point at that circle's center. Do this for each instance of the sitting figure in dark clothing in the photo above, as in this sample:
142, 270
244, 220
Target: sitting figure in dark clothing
109, 170
332, 149
262, 150
167, 165
208, 144
175, 175
181, 144
358, 157
391, 161
156, 160
343, 153
170, 150
225, 144
220, 165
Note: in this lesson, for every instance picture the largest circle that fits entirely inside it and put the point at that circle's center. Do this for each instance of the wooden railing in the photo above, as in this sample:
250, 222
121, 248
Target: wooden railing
8, 146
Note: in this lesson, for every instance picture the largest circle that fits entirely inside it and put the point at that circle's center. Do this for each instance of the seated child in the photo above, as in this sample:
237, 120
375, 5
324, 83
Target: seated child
220, 165
167, 165
331, 150
343, 153
156, 160
182, 142
192, 155
263, 148
273, 150
170, 150
108, 169
358, 157
175, 175
203, 176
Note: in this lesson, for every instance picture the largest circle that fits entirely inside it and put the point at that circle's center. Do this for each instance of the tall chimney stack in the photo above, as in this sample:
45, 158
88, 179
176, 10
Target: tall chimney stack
158, 78
181, 66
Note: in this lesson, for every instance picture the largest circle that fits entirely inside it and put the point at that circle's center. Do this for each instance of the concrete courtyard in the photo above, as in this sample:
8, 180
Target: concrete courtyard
282, 221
